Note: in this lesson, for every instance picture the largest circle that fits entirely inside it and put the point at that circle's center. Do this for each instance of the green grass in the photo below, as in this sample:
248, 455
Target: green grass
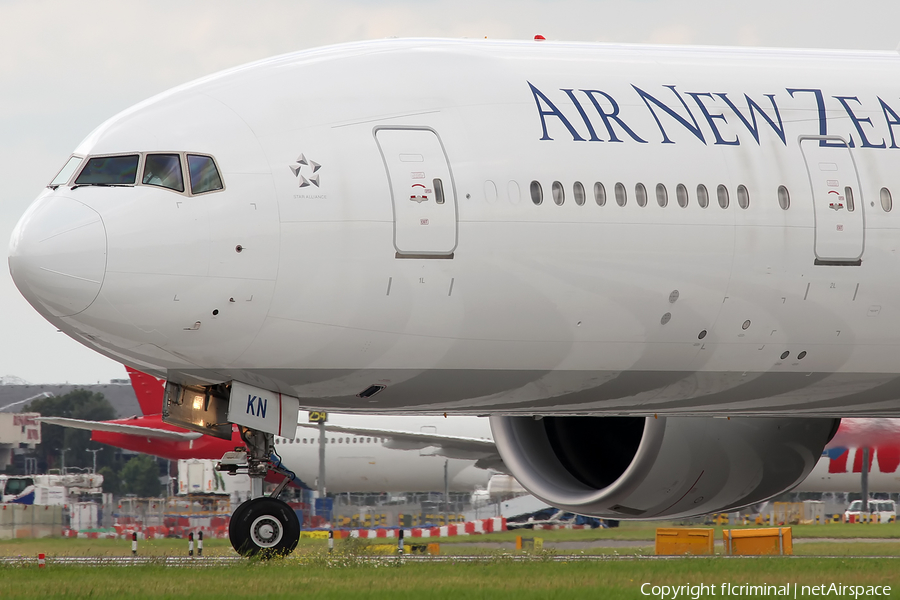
84, 547
635, 531
639, 531
848, 549
311, 573
847, 530
495, 578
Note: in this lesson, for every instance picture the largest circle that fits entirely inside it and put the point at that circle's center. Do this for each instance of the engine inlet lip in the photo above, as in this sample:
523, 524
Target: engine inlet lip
565, 491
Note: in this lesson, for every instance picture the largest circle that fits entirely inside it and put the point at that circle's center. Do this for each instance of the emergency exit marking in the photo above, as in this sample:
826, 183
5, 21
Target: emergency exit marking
425, 222
840, 227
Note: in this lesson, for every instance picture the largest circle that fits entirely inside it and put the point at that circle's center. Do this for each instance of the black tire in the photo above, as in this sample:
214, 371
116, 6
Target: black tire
235, 517
264, 527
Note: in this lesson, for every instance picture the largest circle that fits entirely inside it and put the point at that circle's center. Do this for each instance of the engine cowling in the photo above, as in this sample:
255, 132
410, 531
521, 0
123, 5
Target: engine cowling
652, 468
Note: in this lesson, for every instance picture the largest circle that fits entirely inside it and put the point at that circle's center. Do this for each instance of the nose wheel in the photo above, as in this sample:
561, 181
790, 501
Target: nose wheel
265, 527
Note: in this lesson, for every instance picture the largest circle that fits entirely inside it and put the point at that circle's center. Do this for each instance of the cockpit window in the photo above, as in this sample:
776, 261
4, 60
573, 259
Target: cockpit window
163, 170
204, 175
109, 170
63, 176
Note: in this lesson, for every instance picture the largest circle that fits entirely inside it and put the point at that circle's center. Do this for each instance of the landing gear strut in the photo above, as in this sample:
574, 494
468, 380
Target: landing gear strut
262, 526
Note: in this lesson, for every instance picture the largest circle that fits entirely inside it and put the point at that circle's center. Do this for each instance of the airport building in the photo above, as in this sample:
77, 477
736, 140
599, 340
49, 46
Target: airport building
17, 431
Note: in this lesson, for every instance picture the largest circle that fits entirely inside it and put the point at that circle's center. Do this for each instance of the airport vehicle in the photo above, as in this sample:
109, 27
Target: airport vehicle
664, 273
49, 489
883, 511
391, 454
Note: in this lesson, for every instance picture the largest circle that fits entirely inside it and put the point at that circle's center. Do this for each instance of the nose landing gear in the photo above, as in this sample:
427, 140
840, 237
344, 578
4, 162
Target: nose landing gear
263, 526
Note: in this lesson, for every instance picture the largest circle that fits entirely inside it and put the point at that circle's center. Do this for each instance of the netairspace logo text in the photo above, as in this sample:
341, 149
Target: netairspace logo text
695, 592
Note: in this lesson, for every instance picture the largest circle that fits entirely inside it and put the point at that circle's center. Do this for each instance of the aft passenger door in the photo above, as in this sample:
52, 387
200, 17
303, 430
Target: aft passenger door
422, 190
838, 203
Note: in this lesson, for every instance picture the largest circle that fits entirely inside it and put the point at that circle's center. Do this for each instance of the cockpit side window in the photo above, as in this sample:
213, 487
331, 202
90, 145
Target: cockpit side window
163, 170
109, 170
204, 174
66, 172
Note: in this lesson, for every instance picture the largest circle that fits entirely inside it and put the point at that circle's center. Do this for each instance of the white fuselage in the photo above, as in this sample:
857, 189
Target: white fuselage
377, 227
356, 463
843, 473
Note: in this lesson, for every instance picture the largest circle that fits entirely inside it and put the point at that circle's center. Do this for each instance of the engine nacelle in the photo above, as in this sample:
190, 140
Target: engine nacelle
652, 468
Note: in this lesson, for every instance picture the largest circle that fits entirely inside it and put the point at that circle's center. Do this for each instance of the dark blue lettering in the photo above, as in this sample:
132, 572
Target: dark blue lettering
584, 117
647, 98
857, 122
754, 108
891, 119
261, 405
551, 112
823, 123
710, 118
250, 400
611, 116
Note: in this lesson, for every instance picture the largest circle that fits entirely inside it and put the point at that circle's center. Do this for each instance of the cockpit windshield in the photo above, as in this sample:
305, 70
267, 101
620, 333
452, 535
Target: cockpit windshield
66, 172
204, 175
169, 170
163, 170
109, 170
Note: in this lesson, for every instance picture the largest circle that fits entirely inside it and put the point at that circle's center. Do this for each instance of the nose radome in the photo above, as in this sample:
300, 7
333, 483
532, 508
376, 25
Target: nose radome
57, 255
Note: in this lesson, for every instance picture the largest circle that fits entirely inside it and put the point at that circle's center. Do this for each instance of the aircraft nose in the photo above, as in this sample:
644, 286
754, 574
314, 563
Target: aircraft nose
57, 255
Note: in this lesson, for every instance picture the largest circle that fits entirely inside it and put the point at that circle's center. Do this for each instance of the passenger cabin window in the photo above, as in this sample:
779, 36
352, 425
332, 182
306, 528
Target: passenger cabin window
784, 198
886, 201
743, 196
599, 194
109, 170
621, 197
640, 195
681, 194
204, 174
722, 196
662, 196
702, 196
66, 172
559, 194
537, 193
578, 193
163, 170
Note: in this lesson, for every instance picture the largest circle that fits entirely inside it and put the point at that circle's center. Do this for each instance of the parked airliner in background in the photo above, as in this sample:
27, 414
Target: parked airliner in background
665, 273
392, 454
841, 465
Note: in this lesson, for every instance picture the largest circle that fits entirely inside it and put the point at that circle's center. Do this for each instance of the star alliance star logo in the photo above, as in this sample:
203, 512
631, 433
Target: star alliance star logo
303, 164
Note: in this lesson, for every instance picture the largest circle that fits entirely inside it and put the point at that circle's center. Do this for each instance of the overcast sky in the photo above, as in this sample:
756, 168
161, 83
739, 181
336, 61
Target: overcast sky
67, 66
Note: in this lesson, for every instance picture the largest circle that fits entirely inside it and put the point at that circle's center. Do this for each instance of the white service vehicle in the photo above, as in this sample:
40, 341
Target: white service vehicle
49, 490
199, 476
882, 511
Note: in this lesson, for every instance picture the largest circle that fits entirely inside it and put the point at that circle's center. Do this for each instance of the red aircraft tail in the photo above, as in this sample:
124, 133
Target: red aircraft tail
149, 391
